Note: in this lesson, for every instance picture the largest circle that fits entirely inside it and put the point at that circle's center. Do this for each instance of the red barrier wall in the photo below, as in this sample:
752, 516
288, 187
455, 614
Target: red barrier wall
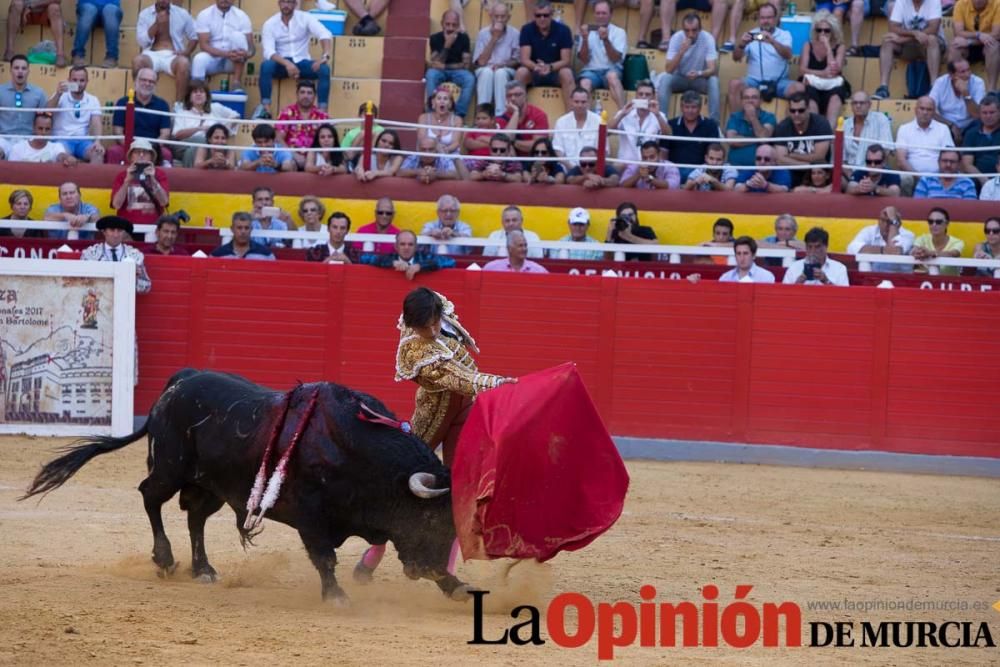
857, 368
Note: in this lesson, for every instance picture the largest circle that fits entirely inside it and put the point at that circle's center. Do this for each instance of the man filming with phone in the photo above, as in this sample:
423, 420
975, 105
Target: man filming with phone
817, 268
888, 237
141, 193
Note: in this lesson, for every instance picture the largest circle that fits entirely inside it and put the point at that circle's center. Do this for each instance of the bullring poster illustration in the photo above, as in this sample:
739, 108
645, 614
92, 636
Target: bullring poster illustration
58, 350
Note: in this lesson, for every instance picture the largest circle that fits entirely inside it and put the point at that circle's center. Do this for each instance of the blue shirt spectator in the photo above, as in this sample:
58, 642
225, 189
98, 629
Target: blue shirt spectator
741, 155
931, 187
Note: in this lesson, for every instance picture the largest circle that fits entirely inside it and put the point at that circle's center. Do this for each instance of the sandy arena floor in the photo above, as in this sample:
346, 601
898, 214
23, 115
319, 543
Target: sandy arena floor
77, 586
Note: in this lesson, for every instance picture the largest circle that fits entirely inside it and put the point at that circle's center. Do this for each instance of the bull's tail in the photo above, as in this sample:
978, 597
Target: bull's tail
57, 472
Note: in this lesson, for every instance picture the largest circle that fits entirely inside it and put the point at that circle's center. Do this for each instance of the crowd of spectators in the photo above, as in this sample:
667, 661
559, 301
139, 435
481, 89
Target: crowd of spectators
654, 151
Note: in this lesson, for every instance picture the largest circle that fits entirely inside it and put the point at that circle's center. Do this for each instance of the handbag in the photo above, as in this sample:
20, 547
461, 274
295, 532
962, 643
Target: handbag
819, 83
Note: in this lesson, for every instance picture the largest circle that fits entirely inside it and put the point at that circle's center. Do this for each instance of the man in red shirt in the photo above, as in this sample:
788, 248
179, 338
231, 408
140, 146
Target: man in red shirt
301, 136
523, 116
385, 212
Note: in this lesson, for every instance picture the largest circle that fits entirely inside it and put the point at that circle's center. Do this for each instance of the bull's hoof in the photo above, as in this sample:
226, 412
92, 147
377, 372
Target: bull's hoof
363, 574
206, 578
165, 572
462, 593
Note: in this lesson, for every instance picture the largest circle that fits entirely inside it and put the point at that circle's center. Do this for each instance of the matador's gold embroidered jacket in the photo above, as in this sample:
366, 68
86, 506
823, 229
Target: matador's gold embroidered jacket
439, 367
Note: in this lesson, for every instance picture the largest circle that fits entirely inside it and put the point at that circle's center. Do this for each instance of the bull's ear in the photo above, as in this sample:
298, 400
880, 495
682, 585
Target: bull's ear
422, 485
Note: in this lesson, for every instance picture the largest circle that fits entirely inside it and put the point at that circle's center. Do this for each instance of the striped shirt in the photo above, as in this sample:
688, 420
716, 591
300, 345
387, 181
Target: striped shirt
930, 187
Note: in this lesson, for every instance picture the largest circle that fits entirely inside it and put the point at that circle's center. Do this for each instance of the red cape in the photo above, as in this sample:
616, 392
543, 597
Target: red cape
535, 471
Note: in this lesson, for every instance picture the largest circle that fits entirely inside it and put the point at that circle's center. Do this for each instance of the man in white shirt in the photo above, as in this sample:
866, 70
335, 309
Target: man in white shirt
78, 115
640, 121
41, 149
496, 55
991, 191
913, 137
692, 64
957, 95
167, 37
888, 237
226, 41
863, 124
746, 271
577, 129
285, 45
601, 52
816, 268
915, 33
512, 220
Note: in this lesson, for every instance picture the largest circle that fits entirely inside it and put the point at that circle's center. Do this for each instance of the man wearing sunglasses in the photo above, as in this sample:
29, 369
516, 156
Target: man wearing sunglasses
78, 115
888, 237
585, 172
766, 180
799, 149
385, 213
19, 95
505, 171
547, 53
874, 183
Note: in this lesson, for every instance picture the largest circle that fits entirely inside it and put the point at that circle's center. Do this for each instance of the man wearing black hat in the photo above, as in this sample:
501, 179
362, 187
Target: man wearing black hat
112, 249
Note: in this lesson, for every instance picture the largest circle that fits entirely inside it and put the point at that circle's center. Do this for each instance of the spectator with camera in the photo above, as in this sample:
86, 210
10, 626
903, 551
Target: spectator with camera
874, 183
625, 228
768, 51
639, 121
888, 237
947, 184
817, 268
141, 192
269, 218
77, 113
746, 270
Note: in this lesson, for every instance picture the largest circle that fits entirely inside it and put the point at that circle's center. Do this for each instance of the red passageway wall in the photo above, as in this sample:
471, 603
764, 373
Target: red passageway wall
854, 369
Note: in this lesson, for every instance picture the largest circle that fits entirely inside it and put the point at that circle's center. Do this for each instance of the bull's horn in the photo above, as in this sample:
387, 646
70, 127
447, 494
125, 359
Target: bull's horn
422, 485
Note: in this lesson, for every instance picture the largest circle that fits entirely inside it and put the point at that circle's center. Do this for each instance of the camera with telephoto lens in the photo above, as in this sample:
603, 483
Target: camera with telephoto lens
621, 224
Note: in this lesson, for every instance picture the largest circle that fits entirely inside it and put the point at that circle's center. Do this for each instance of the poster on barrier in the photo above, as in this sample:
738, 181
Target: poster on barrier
67, 347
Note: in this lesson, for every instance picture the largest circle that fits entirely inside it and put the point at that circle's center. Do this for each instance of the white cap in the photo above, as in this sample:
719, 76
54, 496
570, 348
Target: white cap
579, 216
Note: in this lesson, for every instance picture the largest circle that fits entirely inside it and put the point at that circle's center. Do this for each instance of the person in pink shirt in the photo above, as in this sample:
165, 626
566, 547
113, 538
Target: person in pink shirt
385, 211
301, 136
516, 260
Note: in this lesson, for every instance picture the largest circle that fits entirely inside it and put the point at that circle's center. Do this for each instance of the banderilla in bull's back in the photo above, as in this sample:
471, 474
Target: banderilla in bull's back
208, 433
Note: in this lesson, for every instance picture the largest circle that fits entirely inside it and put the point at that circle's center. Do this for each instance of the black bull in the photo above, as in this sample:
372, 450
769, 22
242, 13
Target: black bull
207, 436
